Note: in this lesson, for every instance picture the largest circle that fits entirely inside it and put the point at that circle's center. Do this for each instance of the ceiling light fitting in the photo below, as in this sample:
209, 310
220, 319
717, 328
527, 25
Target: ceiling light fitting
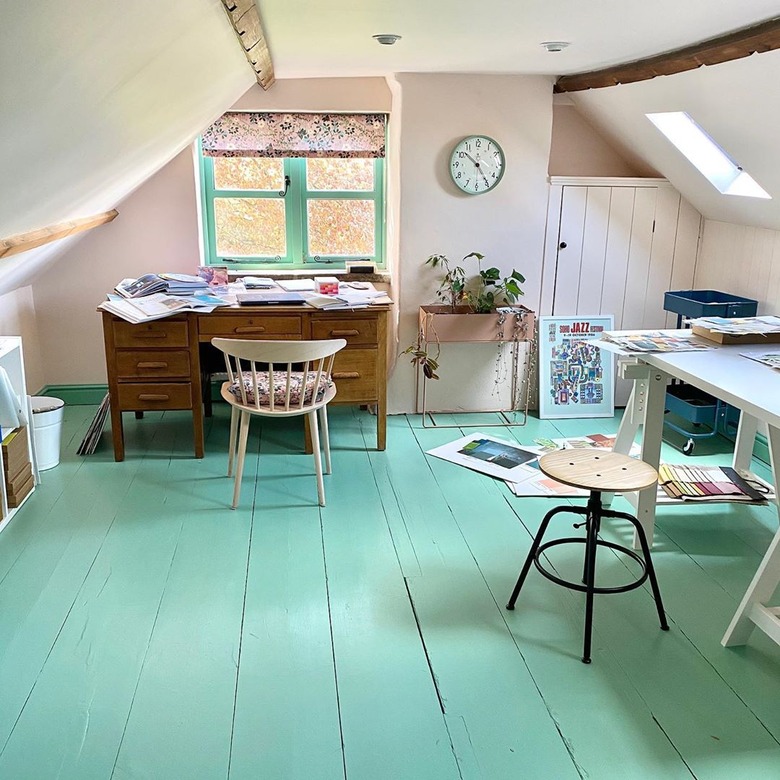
386, 39
554, 45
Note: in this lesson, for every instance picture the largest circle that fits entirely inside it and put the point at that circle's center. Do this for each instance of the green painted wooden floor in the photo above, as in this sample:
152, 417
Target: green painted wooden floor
148, 631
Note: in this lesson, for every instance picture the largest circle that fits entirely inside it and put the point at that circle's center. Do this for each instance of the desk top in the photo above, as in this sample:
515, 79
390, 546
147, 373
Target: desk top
723, 372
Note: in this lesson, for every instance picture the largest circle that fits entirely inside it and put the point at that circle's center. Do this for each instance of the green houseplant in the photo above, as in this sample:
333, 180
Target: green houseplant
462, 296
481, 292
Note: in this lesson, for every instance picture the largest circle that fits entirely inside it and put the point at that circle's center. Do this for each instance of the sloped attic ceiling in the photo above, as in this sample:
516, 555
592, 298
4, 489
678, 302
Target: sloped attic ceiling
98, 96
735, 102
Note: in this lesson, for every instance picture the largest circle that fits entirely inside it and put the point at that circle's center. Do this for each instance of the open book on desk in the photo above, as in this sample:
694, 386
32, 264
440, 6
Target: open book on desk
352, 299
157, 306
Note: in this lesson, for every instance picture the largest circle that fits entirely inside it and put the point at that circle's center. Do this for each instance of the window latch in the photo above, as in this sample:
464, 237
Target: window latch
283, 192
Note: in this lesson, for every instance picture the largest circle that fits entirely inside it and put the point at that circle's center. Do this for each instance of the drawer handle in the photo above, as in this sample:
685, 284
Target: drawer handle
351, 332
153, 364
346, 375
153, 397
152, 334
250, 329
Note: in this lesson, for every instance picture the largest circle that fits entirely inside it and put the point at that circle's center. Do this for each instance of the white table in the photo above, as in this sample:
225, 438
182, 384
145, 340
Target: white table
749, 386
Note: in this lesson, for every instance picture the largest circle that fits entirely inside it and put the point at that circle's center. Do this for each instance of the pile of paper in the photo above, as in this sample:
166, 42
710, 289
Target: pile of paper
739, 326
654, 341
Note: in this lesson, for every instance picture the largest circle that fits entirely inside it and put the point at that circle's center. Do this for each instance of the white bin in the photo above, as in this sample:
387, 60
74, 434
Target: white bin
47, 429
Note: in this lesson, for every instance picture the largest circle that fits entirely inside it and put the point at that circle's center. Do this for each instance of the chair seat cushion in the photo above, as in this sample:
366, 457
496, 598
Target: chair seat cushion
297, 386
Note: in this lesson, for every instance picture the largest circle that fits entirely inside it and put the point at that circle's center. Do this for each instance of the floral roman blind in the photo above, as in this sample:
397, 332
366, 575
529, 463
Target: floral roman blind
245, 134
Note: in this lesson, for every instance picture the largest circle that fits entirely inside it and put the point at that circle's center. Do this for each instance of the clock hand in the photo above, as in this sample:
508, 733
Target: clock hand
471, 158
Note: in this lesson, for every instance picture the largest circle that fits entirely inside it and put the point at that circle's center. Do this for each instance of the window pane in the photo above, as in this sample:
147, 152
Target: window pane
250, 226
248, 173
338, 174
341, 227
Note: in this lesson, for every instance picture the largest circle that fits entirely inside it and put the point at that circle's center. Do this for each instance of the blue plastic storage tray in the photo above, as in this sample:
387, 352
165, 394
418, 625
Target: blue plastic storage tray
709, 303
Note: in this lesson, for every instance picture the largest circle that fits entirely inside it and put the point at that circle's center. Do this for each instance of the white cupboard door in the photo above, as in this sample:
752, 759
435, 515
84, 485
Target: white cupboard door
618, 249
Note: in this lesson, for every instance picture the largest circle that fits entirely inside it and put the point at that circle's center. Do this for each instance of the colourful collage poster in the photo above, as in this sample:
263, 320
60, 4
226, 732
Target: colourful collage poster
576, 378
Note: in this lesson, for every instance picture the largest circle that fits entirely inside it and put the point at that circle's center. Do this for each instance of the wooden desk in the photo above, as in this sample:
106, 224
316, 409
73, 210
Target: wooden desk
156, 365
755, 390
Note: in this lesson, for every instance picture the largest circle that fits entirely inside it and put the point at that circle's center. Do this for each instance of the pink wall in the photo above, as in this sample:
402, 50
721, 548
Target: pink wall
578, 149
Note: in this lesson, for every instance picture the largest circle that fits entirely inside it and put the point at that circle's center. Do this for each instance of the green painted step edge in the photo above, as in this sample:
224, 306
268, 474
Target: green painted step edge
76, 394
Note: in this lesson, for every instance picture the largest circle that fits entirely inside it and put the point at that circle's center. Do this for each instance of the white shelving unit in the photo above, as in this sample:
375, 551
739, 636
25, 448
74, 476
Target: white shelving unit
12, 360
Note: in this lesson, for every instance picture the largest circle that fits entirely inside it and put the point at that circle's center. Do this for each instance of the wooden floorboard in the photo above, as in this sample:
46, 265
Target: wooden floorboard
148, 630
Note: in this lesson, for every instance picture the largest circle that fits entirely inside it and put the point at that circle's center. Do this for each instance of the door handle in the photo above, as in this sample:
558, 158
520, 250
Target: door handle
152, 397
151, 364
345, 375
352, 332
562, 245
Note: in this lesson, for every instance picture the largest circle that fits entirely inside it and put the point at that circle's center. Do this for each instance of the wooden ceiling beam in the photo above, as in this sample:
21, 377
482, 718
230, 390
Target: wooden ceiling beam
245, 19
24, 241
732, 46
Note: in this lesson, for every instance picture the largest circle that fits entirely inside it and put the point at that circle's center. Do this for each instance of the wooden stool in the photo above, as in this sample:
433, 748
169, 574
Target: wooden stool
597, 471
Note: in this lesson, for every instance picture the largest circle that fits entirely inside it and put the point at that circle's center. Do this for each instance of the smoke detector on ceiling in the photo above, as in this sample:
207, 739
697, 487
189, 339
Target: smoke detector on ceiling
386, 39
555, 45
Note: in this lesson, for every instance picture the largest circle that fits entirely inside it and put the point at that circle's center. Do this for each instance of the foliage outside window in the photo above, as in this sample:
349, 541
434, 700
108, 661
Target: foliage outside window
292, 211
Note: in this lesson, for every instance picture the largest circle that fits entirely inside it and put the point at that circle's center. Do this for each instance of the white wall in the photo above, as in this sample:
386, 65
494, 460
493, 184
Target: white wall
96, 97
741, 260
505, 224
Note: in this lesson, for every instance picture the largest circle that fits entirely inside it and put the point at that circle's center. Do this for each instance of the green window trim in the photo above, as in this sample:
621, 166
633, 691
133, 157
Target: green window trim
296, 224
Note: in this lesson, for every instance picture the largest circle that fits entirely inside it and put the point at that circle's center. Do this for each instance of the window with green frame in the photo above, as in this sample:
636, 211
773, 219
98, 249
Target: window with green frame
290, 212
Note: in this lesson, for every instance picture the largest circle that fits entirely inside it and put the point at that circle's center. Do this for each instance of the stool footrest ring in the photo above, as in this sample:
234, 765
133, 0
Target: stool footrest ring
580, 586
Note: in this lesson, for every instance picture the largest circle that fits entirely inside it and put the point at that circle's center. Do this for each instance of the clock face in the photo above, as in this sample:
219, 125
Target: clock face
477, 164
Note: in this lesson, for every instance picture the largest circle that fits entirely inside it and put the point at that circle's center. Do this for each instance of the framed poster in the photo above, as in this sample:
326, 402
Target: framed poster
576, 379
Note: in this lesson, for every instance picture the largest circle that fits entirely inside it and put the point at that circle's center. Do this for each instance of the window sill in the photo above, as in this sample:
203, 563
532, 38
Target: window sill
339, 273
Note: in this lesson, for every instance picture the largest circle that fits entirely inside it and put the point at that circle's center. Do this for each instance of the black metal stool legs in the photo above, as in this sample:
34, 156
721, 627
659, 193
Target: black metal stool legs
591, 542
593, 512
533, 551
649, 568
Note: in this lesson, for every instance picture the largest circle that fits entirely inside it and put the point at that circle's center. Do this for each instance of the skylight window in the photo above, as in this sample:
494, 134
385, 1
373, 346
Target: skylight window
720, 170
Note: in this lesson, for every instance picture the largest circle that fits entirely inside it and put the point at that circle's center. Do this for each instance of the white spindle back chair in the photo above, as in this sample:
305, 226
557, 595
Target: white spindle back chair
278, 379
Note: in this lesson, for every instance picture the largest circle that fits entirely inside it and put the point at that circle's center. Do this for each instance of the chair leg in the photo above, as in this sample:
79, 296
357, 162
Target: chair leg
325, 437
590, 580
315, 444
232, 442
242, 437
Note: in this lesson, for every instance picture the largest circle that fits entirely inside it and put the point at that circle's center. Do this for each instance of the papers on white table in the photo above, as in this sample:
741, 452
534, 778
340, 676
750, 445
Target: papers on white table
771, 359
654, 341
739, 326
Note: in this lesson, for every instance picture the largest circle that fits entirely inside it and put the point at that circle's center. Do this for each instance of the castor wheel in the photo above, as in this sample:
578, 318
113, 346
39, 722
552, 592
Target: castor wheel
688, 448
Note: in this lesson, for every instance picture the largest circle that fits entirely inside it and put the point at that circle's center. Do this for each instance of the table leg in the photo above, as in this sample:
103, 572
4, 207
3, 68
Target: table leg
753, 610
746, 437
655, 401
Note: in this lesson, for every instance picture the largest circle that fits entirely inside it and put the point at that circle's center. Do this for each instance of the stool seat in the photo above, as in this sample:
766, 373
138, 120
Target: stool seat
601, 470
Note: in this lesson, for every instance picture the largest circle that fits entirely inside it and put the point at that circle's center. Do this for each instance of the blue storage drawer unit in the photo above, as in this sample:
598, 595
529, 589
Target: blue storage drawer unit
689, 403
708, 303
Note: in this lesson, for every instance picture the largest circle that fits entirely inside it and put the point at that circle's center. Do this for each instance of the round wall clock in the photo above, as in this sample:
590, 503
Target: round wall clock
477, 164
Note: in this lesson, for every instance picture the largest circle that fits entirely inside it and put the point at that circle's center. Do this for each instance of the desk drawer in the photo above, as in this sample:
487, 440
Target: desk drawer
355, 331
154, 395
160, 333
152, 363
354, 371
252, 327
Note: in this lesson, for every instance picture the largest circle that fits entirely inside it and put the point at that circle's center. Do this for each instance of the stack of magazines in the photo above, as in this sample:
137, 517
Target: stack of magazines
150, 284
92, 437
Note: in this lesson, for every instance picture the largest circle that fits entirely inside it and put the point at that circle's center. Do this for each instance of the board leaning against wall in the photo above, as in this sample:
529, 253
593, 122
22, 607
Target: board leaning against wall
615, 246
